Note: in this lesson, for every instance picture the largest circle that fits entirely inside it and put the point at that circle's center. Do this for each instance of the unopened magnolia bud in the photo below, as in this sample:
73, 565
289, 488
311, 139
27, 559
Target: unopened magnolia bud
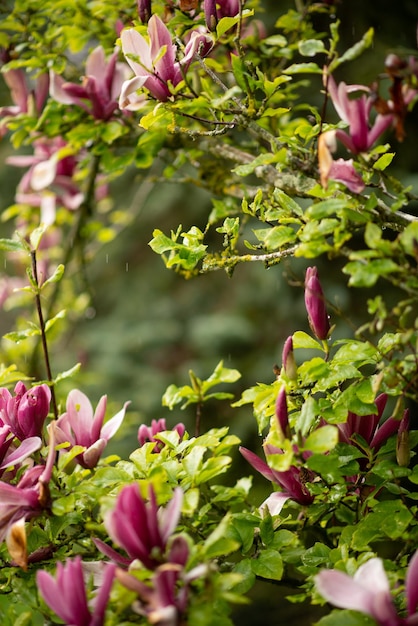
288, 360
403, 450
281, 413
211, 18
144, 10
315, 304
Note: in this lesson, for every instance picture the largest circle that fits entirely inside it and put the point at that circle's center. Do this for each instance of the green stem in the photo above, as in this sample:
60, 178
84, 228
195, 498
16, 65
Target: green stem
43, 332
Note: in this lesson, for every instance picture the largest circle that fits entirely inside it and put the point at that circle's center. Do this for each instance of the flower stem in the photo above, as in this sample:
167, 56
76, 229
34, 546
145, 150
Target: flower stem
43, 332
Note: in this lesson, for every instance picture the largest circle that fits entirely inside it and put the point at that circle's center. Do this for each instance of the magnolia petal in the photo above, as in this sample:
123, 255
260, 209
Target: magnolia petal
111, 427
275, 502
96, 64
171, 514
56, 90
257, 463
137, 51
111, 553
43, 174
26, 448
128, 96
411, 585
344, 592
92, 455
101, 600
344, 172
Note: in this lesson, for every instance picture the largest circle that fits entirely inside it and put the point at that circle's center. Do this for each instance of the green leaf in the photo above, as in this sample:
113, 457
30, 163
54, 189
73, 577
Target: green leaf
211, 468
385, 160
59, 316
346, 618
303, 68
226, 23
355, 51
64, 505
307, 415
268, 564
56, 275
303, 340
67, 373
36, 236
219, 542
366, 273
11, 245
311, 47
322, 439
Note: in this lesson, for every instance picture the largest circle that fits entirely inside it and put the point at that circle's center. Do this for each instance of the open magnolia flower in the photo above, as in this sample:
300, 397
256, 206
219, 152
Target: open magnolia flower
369, 592
78, 426
154, 62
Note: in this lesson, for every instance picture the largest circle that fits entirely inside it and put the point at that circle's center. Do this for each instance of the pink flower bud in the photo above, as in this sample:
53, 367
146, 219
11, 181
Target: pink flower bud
144, 10
403, 449
315, 304
281, 413
211, 18
288, 360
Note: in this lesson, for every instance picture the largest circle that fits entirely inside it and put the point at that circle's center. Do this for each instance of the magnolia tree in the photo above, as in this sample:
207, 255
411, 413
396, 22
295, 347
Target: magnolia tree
165, 536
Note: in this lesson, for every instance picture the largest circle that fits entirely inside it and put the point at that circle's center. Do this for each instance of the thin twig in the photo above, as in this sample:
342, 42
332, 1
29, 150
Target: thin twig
43, 332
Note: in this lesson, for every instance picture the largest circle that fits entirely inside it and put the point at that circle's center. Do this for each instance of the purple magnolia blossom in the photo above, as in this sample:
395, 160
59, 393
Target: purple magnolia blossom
215, 10
288, 360
356, 113
25, 99
369, 592
144, 10
78, 426
49, 180
291, 481
340, 170
315, 304
369, 428
11, 456
143, 529
154, 63
147, 433
66, 593
26, 411
165, 601
30, 496
281, 413
98, 94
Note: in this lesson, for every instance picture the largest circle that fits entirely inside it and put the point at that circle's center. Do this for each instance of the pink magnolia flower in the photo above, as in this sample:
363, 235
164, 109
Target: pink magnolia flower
356, 113
367, 426
26, 411
291, 481
30, 496
165, 601
315, 304
154, 63
49, 180
369, 592
25, 99
78, 426
66, 593
147, 433
98, 93
9, 454
340, 170
143, 529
